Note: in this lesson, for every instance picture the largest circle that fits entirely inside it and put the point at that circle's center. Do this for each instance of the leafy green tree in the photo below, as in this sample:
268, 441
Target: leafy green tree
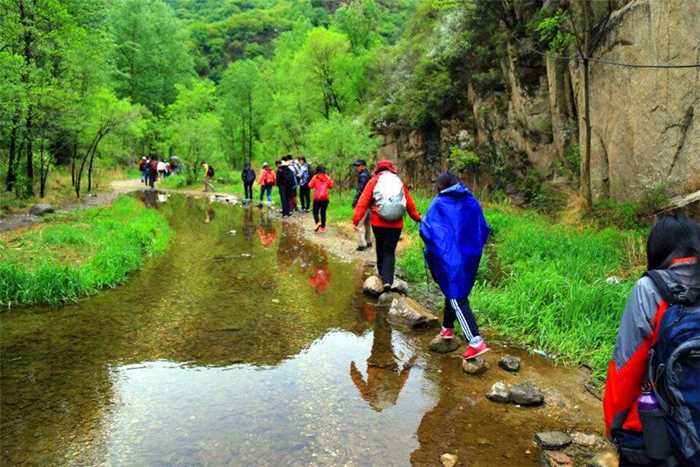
151, 52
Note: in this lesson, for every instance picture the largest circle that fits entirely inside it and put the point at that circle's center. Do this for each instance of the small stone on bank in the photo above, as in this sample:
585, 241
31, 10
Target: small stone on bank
440, 345
475, 366
499, 393
556, 459
448, 460
526, 394
552, 440
373, 286
41, 209
510, 363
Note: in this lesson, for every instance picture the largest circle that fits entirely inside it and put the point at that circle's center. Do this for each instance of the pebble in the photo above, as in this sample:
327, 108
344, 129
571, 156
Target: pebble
448, 460
499, 393
275, 301
552, 440
510, 363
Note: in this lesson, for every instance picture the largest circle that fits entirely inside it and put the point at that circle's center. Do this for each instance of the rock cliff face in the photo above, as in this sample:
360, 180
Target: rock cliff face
644, 121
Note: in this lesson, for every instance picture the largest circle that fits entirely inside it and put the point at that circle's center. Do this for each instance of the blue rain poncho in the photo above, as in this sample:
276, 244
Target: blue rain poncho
454, 231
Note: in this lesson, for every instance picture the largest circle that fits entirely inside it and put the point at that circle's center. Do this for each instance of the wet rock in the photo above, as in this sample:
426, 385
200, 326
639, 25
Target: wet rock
585, 440
408, 312
440, 345
373, 286
387, 298
400, 287
526, 394
555, 459
448, 460
499, 393
552, 440
41, 209
510, 363
475, 366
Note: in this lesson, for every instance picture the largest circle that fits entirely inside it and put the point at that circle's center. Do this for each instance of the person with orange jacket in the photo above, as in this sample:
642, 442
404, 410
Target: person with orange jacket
266, 181
388, 199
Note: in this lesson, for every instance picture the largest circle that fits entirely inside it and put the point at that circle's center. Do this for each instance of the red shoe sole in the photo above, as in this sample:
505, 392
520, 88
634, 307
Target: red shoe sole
477, 354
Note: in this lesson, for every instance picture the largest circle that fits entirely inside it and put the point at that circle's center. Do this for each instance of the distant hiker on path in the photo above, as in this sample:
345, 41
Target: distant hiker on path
321, 183
248, 178
651, 401
285, 184
454, 231
208, 176
363, 227
266, 181
152, 172
389, 199
143, 168
304, 190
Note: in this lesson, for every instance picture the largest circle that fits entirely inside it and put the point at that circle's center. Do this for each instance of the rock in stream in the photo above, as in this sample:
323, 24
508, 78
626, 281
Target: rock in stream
552, 440
373, 286
526, 394
440, 345
407, 312
510, 363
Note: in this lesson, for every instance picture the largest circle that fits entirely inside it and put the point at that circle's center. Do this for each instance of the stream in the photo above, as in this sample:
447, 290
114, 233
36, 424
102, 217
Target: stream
245, 344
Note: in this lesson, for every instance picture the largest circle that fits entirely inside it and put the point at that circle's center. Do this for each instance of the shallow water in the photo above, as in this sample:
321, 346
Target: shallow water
246, 345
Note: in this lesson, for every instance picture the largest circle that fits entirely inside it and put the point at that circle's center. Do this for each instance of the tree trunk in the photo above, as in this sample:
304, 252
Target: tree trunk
74, 156
250, 126
11, 177
26, 19
585, 181
30, 153
90, 164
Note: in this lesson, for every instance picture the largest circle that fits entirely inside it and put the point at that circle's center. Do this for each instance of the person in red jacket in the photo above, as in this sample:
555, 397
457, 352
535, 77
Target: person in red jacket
321, 183
673, 248
386, 232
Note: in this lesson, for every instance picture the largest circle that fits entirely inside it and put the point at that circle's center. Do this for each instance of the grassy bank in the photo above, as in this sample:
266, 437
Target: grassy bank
76, 254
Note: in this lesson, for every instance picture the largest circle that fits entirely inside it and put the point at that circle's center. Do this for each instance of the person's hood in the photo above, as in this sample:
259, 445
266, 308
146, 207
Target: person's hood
457, 190
323, 177
385, 165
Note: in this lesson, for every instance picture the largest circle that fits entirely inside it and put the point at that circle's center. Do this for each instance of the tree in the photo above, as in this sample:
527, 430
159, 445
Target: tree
151, 52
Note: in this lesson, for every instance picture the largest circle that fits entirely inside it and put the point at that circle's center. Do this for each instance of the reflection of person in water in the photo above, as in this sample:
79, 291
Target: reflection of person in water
208, 214
321, 277
248, 227
285, 248
149, 198
266, 232
384, 379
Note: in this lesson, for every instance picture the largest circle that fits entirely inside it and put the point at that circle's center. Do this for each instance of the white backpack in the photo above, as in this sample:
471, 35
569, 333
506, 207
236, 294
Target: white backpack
389, 197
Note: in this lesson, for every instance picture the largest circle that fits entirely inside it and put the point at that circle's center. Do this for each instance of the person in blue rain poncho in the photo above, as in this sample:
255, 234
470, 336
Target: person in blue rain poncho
454, 231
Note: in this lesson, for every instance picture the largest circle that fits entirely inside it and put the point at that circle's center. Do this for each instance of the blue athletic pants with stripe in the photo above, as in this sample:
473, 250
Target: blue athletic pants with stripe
460, 310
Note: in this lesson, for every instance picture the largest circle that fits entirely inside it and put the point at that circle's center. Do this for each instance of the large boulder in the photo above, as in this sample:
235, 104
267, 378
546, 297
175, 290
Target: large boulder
41, 209
373, 286
440, 345
526, 394
407, 312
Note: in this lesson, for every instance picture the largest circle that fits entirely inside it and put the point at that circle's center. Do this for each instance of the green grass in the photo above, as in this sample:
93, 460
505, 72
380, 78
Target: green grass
79, 253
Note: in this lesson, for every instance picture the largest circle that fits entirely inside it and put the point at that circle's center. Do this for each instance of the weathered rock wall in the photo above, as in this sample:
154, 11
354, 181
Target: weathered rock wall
644, 121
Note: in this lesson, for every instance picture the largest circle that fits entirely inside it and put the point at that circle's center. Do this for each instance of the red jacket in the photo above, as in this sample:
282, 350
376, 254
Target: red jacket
321, 183
366, 202
627, 371
267, 177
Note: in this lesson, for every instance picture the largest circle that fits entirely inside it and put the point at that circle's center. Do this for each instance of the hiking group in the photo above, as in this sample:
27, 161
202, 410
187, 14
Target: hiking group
152, 169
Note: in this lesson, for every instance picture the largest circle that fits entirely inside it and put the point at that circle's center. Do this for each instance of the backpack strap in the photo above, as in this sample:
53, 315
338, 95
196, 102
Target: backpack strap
662, 286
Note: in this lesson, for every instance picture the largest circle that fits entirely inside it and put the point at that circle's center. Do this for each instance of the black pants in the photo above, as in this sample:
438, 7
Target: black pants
320, 212
284, 201
386, 240
248, 187
460, 310
305, 195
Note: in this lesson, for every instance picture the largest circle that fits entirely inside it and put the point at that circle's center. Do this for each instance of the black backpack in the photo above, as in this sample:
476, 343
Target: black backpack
210, 171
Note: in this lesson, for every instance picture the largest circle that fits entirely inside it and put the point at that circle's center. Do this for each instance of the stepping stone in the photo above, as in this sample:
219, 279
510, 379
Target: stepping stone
510, 363
440, 345
552, 440
475, 366
526, 394
373, 286
408, 312
499, 393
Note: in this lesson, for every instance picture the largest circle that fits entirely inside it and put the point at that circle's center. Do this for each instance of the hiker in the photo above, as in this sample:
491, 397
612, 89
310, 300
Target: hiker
304, 178
143, 168
152, 172
161, 169
363, 228
389, 199
285, 184
248, 178
651, 402
294, 169
266, 181
321, 183
454, 231
208, 176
